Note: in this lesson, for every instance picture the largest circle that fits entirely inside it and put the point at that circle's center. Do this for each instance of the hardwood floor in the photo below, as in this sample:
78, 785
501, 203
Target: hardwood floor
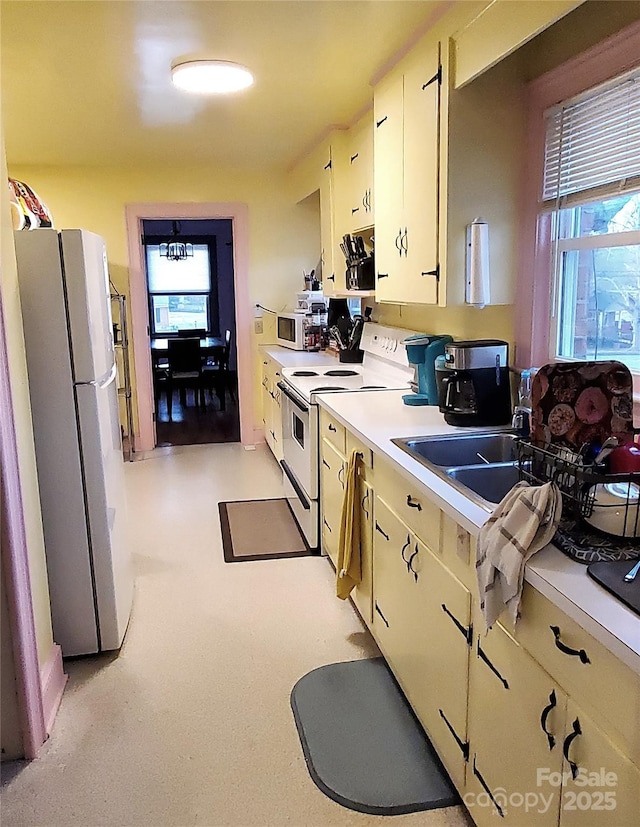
192, 426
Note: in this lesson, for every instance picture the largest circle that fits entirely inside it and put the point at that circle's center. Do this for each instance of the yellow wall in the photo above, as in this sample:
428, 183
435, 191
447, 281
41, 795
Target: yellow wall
23, 424
282, 236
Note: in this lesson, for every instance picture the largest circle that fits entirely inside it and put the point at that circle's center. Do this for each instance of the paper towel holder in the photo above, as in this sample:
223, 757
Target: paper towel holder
477, 281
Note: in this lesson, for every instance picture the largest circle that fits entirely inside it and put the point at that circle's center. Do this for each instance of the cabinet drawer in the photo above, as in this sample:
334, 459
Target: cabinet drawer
586, 670
411, 504
332, 431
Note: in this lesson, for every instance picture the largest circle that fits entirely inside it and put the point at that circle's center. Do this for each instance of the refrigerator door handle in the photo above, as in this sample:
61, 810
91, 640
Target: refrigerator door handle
102, 381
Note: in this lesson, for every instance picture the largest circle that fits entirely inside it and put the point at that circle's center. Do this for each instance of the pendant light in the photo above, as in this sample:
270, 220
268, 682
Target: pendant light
176, 250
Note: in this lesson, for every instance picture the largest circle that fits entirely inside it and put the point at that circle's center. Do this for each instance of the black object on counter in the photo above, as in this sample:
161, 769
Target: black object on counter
611, 577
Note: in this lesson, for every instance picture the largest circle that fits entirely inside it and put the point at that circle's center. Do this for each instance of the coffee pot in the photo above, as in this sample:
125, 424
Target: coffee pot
473, 383
422, 352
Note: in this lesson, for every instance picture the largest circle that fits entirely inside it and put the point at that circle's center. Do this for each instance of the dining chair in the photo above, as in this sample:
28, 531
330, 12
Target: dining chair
215, 372
185, 371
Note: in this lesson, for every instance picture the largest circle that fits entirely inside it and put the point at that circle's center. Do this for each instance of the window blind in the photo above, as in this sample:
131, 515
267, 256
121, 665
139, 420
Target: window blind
592, 145
191, 275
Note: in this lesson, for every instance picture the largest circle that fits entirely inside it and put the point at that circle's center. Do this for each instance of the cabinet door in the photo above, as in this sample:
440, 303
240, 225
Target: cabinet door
276, 416
392, 615
363, 592
606, 786
388, 173
361, 174
333, 468
327, 226
440, 673
516, 724
421, 178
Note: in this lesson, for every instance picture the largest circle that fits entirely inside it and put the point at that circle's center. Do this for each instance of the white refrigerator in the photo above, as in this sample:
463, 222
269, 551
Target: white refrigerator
64, 291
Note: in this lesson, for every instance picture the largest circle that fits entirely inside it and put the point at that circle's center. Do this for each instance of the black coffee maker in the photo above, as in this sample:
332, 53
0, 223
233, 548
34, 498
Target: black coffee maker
473, 383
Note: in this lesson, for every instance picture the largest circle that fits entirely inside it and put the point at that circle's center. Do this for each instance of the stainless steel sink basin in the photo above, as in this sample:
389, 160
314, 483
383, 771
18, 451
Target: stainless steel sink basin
459, 450
483, 466
491, 482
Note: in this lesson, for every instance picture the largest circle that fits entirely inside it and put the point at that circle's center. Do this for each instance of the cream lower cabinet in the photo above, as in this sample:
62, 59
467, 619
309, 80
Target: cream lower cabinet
536, 758
333, 466
271, 406
516, 718
422, 624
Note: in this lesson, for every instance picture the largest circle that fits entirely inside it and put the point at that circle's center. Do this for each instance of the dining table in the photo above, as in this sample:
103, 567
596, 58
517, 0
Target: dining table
209, 346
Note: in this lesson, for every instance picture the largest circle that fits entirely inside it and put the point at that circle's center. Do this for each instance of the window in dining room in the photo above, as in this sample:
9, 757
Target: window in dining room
180, 292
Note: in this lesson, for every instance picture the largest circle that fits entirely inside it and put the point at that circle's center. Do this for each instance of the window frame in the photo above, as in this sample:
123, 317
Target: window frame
211, 294
533, 317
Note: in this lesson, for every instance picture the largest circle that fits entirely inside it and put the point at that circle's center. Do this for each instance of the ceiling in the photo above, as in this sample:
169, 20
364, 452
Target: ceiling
88, 83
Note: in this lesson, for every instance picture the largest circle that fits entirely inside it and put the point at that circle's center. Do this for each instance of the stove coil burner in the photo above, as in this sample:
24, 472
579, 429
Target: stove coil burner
341, 373
305, 373
328, 388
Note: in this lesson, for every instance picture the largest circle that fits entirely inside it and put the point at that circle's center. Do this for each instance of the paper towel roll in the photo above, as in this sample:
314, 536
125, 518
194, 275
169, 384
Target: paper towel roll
478, 291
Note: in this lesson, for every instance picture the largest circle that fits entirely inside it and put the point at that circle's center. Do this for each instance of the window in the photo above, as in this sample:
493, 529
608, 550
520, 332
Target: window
591, 191
180, 292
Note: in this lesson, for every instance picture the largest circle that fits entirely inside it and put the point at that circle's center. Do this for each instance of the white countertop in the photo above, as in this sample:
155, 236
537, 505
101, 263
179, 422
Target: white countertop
376, 417
288, 358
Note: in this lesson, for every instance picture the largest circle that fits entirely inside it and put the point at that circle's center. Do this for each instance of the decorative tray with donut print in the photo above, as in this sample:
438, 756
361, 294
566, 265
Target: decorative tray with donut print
579, 403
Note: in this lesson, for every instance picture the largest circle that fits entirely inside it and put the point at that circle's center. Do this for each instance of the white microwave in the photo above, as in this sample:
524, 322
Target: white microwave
290, 330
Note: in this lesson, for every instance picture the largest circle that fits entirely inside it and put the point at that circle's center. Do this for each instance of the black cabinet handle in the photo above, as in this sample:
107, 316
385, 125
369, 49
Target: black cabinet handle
331, 277
485, 787
482, 655
341, 475
576, 653
406, 545
386, 622
353, 158
362, 504
413, 504
404, 242
398, 242
327, 525
326, 464
543, 719
436, 77
331, 427
411, 569
567, 743
435, 272
383, 275
464, 745
327, 166
467, 631
381, 121
354, 210
384, 534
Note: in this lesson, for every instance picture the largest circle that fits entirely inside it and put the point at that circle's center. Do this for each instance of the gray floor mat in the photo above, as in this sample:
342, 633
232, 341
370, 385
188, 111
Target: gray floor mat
363, 746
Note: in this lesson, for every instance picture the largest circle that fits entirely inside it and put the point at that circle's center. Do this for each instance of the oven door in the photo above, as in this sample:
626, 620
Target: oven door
300, 439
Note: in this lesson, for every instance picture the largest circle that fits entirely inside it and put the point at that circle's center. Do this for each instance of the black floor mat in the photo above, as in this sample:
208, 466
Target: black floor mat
363, 745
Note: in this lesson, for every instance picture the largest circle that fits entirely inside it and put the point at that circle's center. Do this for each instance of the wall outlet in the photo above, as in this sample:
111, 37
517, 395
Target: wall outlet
257, 325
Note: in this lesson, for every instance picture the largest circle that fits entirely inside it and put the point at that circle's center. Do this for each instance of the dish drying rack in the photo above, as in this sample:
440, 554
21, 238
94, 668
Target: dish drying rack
578, 481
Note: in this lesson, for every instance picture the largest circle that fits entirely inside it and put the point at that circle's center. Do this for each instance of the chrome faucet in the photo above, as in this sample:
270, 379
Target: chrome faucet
521, 420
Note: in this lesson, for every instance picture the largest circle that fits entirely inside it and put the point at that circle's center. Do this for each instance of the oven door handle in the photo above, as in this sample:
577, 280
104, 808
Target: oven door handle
285, 390
296, 485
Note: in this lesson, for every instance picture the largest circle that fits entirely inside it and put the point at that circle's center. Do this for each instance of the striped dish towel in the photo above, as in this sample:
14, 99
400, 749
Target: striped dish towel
523, 523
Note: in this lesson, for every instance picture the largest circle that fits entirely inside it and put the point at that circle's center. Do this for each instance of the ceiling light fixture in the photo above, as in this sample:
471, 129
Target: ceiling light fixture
176, 250
210, 77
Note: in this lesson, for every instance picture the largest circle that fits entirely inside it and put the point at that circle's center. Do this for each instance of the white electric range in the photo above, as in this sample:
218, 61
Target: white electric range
384, 367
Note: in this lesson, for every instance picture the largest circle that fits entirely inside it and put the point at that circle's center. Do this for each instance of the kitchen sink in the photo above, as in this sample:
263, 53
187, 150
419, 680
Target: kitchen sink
463, 449
491, 482
483, 466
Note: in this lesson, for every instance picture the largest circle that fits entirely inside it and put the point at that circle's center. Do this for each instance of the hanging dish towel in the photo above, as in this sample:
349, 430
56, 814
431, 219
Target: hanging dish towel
523, 523
349, 571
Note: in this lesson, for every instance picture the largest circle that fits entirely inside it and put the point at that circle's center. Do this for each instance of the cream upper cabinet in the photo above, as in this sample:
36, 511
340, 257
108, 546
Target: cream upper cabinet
499, 29
406, 165
360, 175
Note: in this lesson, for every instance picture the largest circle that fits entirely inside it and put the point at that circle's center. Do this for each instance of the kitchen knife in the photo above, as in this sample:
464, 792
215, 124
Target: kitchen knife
356, 333
361, 252
336, 336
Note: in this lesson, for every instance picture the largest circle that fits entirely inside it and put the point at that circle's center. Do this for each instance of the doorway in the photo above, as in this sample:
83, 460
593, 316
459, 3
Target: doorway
237, 214
191, 293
